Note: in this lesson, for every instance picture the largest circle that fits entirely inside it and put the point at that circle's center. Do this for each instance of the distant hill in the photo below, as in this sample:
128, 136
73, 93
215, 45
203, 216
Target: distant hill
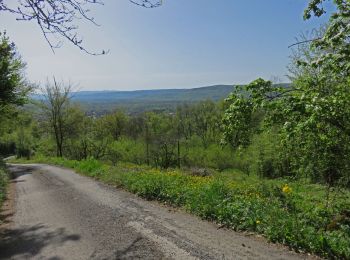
101, 102
216, 92
148, 100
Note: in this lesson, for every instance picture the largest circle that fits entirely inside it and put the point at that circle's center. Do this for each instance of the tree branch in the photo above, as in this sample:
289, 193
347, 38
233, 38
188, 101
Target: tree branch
147, 3
55, 17
306, 41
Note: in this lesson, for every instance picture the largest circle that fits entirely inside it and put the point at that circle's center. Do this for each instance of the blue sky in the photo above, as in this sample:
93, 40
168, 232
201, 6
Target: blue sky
183, 44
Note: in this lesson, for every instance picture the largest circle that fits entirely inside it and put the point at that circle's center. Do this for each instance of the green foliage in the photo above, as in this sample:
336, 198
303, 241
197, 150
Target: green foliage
201, 120
3, 181
310, 118
114, 124
237, 121
214, 156
55, 106
188, 138
126, 150
13, 89
311, 115
13, 92
24, 138
334, 42
18, 134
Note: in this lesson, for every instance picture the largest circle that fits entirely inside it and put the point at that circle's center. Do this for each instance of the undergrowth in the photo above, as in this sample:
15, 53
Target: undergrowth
3, 182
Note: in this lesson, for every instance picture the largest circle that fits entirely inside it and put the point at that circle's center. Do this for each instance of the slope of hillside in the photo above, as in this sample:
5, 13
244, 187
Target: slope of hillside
146, 100
213, 92
137, 101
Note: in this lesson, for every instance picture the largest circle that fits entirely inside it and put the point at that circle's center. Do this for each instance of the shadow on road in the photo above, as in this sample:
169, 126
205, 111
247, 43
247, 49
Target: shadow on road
18, 171
130, 251
5, 217
29, 241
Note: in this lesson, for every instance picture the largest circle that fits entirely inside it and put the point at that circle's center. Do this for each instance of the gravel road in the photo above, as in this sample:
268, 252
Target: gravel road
62, 215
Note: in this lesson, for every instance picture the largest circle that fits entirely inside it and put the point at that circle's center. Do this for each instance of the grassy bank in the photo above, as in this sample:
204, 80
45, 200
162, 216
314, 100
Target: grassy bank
3, 182
293, 213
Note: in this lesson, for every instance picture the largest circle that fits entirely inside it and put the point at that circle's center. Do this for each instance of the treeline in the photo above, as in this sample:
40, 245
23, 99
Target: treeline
190, 137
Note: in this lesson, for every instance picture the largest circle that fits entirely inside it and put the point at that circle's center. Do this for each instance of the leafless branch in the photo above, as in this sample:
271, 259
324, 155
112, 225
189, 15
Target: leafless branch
306, 41
147, 3
58, 17
54, 17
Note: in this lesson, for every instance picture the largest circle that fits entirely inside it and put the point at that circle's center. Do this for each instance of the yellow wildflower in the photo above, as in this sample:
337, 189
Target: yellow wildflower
286, 188
258, 222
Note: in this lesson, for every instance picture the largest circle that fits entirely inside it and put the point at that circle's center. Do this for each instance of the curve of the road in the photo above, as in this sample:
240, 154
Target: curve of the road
62, 215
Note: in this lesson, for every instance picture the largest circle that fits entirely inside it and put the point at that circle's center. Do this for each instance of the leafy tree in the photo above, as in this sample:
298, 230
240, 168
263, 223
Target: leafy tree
334, 42
184, 116
13, 91
311, 118
311, 115
206, 120
79, 130
13, 87
96, 139
162, 138
237, 121
115, 124
135, 126
24, 136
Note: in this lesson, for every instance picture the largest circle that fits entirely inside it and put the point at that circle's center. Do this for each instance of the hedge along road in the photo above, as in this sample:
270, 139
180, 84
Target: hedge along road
62, 215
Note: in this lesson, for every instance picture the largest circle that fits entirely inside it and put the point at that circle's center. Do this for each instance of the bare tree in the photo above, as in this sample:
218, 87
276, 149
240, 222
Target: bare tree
55, 106
58, 17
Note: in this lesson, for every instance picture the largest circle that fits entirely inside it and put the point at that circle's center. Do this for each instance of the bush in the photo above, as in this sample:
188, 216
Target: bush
127, 150
213, 156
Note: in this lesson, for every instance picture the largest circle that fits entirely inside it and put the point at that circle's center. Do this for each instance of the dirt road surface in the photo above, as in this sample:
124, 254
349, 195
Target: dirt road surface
59, 214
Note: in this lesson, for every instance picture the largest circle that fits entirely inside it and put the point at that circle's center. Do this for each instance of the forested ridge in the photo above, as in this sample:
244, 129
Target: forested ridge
269, 158
139, 101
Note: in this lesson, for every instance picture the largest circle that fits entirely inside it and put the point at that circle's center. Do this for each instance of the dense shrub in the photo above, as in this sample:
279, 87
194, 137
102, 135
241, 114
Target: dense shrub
213, 156
126, 150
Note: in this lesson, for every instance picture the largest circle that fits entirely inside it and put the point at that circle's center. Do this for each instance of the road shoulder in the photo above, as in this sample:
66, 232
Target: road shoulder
8, 208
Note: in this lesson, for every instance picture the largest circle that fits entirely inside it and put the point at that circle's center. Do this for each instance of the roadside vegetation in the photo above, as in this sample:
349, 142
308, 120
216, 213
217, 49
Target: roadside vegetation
304, 216
270, 158
3, 183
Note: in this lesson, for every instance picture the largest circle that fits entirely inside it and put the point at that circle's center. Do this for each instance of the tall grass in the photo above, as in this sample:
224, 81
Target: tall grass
3, 181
